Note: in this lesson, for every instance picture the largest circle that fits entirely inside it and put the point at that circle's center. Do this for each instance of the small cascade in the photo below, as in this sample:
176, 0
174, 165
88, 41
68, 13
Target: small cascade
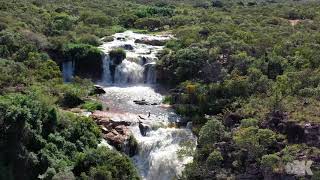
128, 73
67, 70
158, 153
140, 62
150, 73
106, 76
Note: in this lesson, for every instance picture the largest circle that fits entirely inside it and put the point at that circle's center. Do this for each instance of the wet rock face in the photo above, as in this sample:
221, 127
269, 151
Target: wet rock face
312, 134
295, 133
89, 69
144, 128
128, 47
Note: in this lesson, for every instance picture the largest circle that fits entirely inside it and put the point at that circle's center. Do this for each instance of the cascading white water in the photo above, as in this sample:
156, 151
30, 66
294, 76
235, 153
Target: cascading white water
139, 65
106, 77
67, 70
134, 79
150, 73
158, 153
128, 72
157, 157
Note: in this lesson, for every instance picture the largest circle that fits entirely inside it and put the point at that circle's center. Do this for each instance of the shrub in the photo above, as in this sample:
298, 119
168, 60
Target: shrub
189, 62
96, 18
79, 52
249, 122
12, 74
214, 160
112, 163
256, 141
92, 106
71, 100
128, 20
148, 23
270, 161
212, 132
89, 39
60, 23
117, 55
10, 43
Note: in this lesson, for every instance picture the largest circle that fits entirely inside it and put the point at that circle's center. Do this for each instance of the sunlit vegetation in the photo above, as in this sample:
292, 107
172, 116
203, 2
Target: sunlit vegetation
234, 66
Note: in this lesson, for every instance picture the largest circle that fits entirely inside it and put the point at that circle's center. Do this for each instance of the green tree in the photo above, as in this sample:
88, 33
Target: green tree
212, 132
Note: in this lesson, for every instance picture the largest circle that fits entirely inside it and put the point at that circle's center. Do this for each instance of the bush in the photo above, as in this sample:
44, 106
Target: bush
11, 43
12, 74
96, 18
80, 52
128, 20
60, 23
211, 132
72, 94
189, 63
71, 100
117, 55
249, 122
112, 163
148, 23
256, 141
92, 106
89, 39
214, 160
270, 161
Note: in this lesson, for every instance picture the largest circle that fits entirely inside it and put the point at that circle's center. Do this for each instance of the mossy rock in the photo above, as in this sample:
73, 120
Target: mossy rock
117, 56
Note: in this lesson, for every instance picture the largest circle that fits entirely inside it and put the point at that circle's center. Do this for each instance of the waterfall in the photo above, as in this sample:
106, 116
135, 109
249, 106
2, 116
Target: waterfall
128, 72
158, 153
150, 73
140, 62
106, 76
67, 70
135, 79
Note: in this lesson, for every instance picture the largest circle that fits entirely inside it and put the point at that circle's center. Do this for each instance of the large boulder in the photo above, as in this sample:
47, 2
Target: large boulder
312, 134
144, 128
141, 102
98, 90
116, 133
117, 56
151, 41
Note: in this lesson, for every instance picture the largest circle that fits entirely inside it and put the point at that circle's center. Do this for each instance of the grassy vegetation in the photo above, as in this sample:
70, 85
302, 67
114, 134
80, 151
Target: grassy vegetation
234, 64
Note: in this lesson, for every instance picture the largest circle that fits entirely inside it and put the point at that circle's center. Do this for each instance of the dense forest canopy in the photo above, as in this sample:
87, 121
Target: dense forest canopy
246, 73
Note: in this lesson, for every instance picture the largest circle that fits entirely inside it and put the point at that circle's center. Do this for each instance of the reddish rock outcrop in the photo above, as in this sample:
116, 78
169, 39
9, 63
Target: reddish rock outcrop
116, 133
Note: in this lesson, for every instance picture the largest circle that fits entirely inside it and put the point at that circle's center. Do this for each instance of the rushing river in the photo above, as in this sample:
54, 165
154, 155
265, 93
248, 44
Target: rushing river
135, 80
